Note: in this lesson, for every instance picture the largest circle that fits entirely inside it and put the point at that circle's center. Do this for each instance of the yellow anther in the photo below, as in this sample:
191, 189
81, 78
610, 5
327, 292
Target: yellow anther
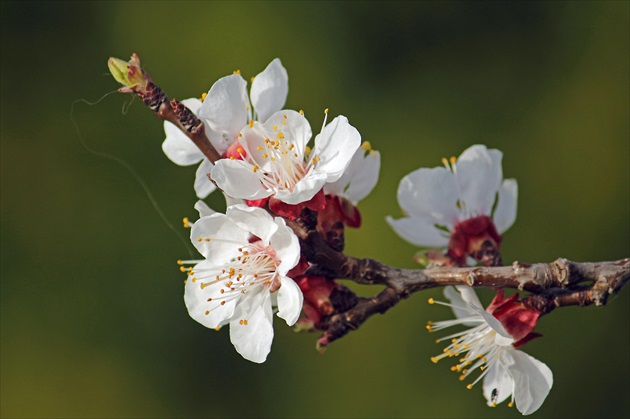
240, 322
209, 299
275, 128
437, 340
194, 280
280, 135
185, 221
259, 148
207, 239
462, 378
469, 386
284, 116
180, 262
255, 169
207, 312
183, 269
431, 301
251, 123
252, 79
307, 151
301, 112
239, 150
434, 359
511, 404
482, 368
236, 71
185, 280
199, 239
366, 146
494, 404
453, 159
444, 161
326, 110
245, 322
222, 303
265, 156
203, 96
231, 157
240, 135
454, 368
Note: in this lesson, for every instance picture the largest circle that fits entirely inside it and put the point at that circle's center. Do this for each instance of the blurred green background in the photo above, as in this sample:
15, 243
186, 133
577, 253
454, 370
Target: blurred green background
93, 322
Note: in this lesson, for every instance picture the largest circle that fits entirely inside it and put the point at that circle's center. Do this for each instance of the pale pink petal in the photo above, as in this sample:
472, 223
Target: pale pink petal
203, 185
269, 90
419, 231
225, 237
253, 340
479, 175
532, 381
505, 213
177, 146
335, 146
359, 178
255, 220
237, 179
430, 193
226, 105
285, 243
498, 384
290, 300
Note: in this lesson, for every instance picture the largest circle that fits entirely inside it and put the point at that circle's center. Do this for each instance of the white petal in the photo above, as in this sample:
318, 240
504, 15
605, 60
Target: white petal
505, 213
359, 178
203, 209
287, 247
296, 131
290, 300
225, 238
197, 303
498, 383
253, 340
177, 146
479, 175
460, 297
269, 90
225, 106
304, 189
533, 381
502, 337
203, 185
255, 220
418, 231
430, 193
335, 146
237, 179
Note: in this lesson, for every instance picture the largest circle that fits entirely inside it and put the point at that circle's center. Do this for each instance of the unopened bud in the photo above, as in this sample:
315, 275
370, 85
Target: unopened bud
129, 74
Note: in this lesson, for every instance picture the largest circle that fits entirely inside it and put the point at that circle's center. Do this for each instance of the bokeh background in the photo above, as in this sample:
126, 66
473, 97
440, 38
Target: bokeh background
93, 322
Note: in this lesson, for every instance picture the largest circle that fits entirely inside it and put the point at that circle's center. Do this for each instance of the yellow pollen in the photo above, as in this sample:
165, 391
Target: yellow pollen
511, 404
239, 150
252, 79
207, 312
284, 116
429, 329
265, 156
203, 96
281, 135
194, 280
207, 239
469, 386
301, 112
256, 168
461, 377
240, 322
183, 269
454, 368
482, 368
307, 150
453, 159
366, 146
185, 280
199, 239
231, 157
437, 340
209, 299
494, 404
222, 291
284, 122
251, 123
326, 110
434, 359
259, 148
275, 128
180, 262
444, 161
185, 222
217, 328
247, 106
236, 72
245, 322
222, 303
431, 301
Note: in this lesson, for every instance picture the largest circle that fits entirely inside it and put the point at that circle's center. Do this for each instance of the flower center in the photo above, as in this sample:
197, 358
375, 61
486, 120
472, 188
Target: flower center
476, 237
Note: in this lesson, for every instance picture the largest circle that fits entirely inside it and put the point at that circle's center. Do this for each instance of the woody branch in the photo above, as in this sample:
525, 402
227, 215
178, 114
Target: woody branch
552, 285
